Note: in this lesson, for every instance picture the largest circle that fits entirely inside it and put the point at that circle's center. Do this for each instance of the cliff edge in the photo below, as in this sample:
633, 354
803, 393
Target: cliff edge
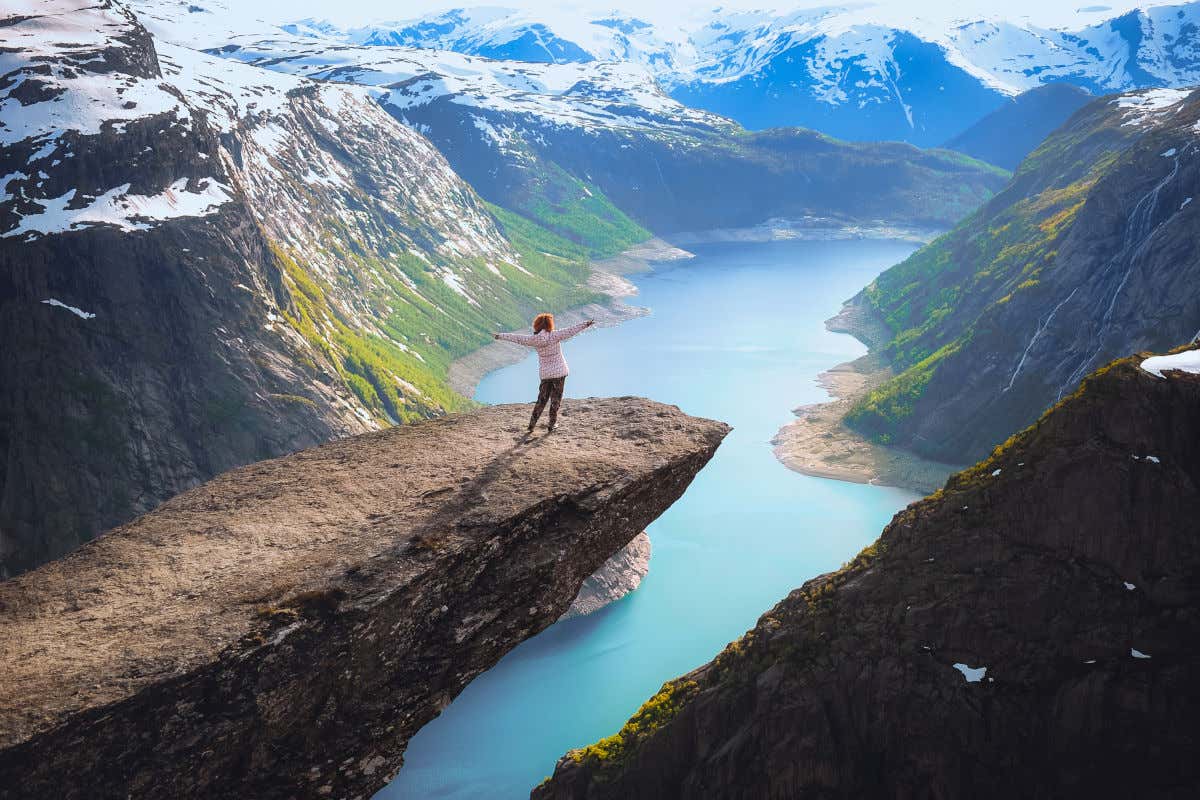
285, 628
1031, 630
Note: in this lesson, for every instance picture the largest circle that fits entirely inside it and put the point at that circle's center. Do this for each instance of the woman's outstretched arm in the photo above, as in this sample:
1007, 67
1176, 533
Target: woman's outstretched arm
566, 333
516, 338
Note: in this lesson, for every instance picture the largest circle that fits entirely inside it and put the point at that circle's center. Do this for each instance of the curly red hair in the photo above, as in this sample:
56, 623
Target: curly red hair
543, 322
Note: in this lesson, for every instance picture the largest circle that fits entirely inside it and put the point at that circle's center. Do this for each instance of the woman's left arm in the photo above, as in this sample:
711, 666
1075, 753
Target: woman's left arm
563, 334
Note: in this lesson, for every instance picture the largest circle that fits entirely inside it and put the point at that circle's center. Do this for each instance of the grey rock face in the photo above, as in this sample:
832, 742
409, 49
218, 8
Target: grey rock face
619, 576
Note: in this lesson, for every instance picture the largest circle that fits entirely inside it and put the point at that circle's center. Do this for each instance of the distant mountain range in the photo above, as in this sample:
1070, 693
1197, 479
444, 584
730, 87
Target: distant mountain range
858, 73
1005, 136
557, 141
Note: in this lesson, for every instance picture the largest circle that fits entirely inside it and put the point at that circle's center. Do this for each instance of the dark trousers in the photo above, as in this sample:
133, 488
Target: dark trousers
551, 389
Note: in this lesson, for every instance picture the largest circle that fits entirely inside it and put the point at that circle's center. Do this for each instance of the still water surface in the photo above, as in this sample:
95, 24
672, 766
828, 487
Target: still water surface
735, 334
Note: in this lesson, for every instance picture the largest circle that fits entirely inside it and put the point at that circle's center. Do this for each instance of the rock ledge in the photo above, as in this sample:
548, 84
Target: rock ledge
284, 629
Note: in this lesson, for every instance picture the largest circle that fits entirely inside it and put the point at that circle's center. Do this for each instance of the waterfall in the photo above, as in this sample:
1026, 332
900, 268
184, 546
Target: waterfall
1139, 229
1040, 328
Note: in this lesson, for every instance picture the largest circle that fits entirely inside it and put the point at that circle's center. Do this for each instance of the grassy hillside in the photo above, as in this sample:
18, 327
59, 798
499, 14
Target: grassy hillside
573, 210
399, 370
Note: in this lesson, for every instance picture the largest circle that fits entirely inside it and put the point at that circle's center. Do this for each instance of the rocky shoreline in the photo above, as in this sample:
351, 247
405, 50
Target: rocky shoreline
818, 443
619, 576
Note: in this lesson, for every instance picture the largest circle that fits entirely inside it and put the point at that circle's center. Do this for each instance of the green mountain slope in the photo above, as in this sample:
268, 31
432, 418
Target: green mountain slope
1089, 252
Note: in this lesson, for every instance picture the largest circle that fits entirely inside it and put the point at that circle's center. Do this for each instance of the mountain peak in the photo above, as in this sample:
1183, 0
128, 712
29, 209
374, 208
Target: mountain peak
855, 71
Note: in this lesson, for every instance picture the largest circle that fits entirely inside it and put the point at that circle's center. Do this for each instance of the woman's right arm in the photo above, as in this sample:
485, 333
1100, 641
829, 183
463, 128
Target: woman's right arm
515, 338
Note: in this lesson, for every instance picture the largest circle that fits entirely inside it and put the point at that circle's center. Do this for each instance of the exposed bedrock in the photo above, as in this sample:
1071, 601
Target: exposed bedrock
283, 630
1031, 630
619, 576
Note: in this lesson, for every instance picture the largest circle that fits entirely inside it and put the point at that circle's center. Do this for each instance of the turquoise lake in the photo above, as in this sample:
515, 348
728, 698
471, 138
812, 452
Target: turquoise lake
736, 334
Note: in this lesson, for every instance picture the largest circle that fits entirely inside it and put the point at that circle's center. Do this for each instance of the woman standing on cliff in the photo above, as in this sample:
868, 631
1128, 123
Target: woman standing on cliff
552, 367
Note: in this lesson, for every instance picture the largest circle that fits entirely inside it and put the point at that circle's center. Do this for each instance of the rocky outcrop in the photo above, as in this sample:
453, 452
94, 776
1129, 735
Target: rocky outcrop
1089, 254
1031, 630
282, 630
619, 576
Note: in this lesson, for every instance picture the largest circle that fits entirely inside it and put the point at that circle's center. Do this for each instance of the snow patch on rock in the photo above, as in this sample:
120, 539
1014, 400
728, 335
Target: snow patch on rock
971, 674
1187, 361
1142, 108
129, 212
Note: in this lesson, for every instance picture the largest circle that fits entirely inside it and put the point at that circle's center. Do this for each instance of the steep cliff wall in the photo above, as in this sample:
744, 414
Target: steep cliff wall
1031, 630
284, 629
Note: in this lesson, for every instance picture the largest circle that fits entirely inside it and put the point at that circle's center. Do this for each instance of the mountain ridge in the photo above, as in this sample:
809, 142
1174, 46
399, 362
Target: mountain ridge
1025, 631
852, 72
1005, 136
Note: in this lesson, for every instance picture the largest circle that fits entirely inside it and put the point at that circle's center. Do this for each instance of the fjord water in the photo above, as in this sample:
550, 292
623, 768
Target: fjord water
735, 334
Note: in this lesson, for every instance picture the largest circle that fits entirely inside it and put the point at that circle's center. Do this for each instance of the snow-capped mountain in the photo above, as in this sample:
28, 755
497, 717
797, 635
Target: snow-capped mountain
857, 72
566, 144
546, 35
525, 133
589, 96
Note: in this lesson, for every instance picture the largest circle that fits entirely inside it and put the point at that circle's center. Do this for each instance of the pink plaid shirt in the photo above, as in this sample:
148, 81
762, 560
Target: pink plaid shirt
551, 363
